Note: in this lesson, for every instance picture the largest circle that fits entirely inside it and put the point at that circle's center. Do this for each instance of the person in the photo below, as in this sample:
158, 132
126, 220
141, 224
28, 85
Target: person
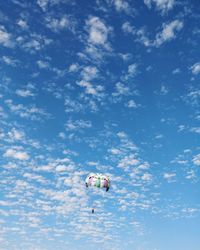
93, 210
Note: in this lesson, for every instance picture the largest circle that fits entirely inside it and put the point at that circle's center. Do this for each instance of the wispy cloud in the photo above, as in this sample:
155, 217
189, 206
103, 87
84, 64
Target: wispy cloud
121, 89
24, 92
196, 159
60, 24
169, 177
16, 154
122, 5
10, 61
29, 112
33, 43
161, 5
78, 124
168, 32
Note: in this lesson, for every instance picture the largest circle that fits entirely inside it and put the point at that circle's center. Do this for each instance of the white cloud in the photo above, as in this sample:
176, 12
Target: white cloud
159, 136
144, 166
78, 124
125, 57
89, 72
168, 32
169, 176
121, 89
164, 90
72, 105
19, 155
195, 130
176, 71
5, 37
190, 175
45, 168
190, 211
32, 45
122, 5
122, 135
131, 72
128, 28
24, 92
195, 68
181, 128
132, 69
196, 160
197, 117
146, 177
35, 177
23, 24
93, 105
42, 64
58, 24
161, 5
98, 32
61, 168
43, 4
140, 34
33, 42
194, 96
15, 134
73, 67
10, 61
30, 112
91, 89
183, 162
62, 135
132, 104
2, 114
128, 161
115, 151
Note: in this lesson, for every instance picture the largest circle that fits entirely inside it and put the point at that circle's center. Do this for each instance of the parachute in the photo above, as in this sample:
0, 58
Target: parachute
98, 180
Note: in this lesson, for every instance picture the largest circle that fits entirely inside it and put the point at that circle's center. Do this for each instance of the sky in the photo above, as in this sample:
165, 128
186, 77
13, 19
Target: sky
103, 86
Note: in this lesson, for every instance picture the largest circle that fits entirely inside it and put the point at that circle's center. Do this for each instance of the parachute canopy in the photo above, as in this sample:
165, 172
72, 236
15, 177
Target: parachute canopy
98, 180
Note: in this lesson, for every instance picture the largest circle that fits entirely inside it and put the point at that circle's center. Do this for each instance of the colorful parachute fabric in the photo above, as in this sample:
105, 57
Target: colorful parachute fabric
98, 180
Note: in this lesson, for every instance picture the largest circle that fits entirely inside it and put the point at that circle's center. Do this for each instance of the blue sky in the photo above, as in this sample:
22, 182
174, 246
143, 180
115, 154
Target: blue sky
107, 86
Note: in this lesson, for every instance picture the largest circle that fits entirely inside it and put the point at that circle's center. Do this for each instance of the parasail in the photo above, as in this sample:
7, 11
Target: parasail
98, 180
